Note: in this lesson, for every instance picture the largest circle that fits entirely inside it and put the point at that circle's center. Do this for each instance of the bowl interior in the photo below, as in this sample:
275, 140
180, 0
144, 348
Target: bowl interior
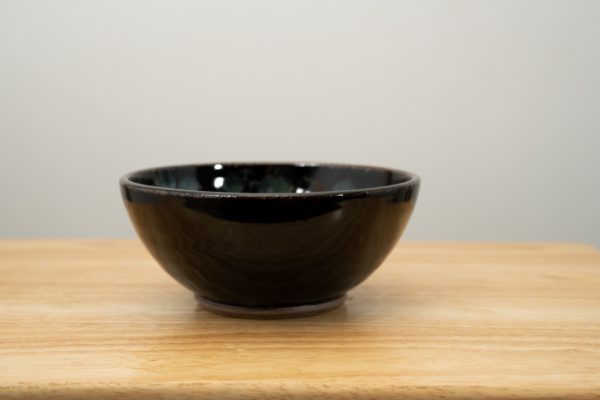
269, 178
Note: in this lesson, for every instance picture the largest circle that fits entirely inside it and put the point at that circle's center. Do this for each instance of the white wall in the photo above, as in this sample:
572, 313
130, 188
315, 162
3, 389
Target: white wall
496, 104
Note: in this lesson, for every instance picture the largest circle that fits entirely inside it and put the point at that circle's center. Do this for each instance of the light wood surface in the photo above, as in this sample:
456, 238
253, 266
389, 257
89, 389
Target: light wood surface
99, 319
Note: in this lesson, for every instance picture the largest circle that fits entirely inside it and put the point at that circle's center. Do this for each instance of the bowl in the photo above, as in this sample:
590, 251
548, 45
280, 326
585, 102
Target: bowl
269, 240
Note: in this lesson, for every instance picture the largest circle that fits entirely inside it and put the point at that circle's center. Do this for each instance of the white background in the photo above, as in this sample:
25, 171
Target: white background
496, 104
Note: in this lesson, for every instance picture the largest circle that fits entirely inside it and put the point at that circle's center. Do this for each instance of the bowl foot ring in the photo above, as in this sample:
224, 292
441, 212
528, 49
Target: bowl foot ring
297, 311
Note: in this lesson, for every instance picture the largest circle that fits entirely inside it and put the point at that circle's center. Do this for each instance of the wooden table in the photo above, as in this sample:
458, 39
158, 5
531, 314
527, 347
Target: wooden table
99, 319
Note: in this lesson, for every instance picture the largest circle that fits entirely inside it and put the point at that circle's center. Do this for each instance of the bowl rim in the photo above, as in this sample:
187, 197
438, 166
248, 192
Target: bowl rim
412, 181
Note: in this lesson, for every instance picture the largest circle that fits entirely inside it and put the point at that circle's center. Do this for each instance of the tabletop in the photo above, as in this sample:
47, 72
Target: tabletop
99, 319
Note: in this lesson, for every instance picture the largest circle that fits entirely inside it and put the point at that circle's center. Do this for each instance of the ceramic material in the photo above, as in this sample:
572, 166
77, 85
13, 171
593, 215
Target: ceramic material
269, 239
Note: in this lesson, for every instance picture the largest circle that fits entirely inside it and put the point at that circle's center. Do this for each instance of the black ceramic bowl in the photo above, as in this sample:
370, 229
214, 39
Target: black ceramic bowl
269, 239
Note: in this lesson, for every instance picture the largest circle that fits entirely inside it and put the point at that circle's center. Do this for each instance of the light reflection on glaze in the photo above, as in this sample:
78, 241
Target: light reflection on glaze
267, 178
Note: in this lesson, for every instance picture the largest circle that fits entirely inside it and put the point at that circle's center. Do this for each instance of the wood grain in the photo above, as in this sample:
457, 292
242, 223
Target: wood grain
99, 319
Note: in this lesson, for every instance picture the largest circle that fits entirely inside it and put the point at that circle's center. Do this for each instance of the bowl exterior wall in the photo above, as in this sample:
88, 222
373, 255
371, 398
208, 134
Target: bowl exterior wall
270, 251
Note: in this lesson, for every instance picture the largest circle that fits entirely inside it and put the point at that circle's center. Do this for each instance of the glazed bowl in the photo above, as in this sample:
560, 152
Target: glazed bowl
269, 240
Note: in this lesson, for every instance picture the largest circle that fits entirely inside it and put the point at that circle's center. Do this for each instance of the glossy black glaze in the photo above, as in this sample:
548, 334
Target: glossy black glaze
274, 235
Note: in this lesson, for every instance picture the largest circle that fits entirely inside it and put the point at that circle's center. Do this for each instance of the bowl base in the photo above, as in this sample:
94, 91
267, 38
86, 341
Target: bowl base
298, 311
